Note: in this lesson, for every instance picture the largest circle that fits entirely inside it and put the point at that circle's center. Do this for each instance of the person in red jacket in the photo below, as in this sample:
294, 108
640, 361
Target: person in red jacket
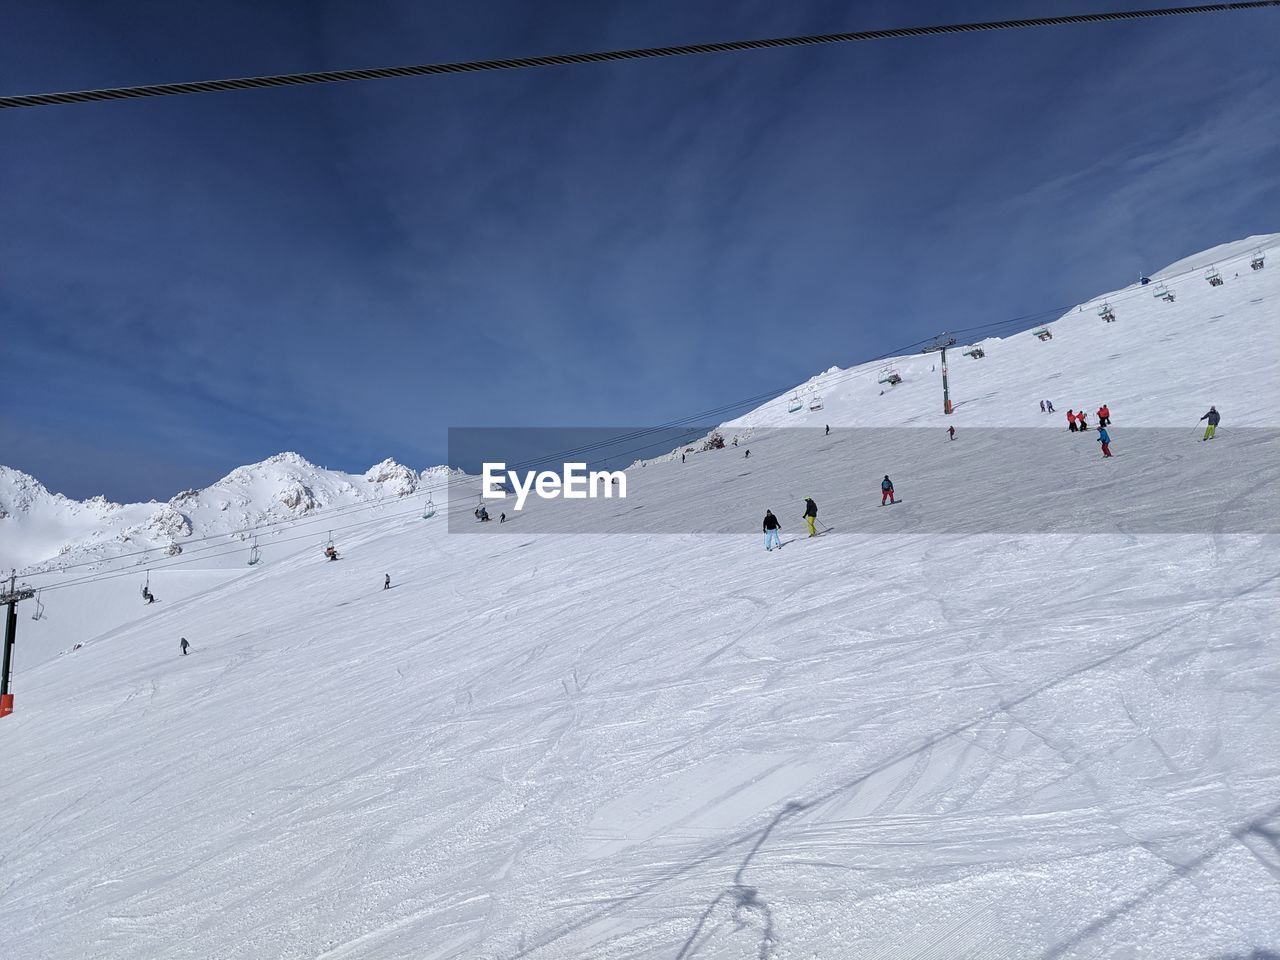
1104, 416
1071, 420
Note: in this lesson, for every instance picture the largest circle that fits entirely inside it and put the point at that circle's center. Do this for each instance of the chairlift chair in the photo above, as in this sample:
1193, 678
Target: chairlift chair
795, 405
1258, 261
1214, 277
39, 614
1163, 292
255, 555
1044, 333
1107, 314
890, 376
428, 510
815, 402
976, 352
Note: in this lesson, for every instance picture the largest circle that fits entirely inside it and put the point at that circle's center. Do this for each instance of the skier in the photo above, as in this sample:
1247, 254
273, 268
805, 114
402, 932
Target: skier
1104, 416
951, 432
886, 490
1083, 418
1071, 421
682, 458
386, 581
746, 455
1042, 410
811, 515
828, 433
182, 642
771, 527
502, 517
1049, 404
1213, 416
1104, 438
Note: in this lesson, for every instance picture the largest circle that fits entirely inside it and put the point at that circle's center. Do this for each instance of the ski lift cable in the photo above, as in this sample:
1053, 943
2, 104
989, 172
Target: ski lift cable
200, 547
646, 53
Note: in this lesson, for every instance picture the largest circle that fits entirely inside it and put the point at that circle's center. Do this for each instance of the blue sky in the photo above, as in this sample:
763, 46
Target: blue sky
193, 283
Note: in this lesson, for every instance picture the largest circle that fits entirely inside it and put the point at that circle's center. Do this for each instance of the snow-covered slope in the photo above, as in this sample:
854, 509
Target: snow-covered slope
1159, 362
39, 530
900, 743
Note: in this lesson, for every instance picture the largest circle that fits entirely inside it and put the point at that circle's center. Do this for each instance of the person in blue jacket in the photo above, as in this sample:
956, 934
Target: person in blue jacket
1104, 438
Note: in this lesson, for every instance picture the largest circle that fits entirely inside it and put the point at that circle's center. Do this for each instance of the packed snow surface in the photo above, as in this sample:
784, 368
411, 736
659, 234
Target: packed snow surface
896, 743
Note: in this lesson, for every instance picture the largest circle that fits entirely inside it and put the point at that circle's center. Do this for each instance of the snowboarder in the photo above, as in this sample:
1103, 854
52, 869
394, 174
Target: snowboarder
182, 642
1104, 438
811, 515
771, 527
886, 490
502, 517
1213, 416
951, 432
1071, 421
1042, 410
386, 581
1104, 416
1049, 404
746, 455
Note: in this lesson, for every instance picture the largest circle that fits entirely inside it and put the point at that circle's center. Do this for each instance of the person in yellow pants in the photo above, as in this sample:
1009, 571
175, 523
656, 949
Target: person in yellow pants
1213, 416
811, 515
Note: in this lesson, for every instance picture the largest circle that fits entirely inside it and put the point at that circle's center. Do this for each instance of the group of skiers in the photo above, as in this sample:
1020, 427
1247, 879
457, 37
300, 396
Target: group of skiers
1046, 406
772, 527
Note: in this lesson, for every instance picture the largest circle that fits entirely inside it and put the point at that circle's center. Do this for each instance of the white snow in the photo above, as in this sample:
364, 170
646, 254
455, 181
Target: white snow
893, 743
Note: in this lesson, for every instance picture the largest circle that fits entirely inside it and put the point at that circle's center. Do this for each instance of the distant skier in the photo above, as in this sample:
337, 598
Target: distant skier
811, 515
772, 538
746, 455
1049, 404
502, 517
886, 490
1104, 438
1104, 416
682, 458
1071, 421
951, 433
1213, 416
1042, 410
828, 433
1083, 419
182, 642
386, 581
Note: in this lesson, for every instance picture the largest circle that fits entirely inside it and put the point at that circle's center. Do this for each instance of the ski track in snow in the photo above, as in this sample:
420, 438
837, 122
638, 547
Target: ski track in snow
889, 744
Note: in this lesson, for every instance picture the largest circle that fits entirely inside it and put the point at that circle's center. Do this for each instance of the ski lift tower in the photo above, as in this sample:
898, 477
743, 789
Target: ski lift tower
9, 597
939, 345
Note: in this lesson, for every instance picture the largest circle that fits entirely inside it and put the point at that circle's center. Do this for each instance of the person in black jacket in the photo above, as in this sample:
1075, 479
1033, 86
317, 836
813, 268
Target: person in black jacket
811, 515
772, 538
1213, 416
182, 642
